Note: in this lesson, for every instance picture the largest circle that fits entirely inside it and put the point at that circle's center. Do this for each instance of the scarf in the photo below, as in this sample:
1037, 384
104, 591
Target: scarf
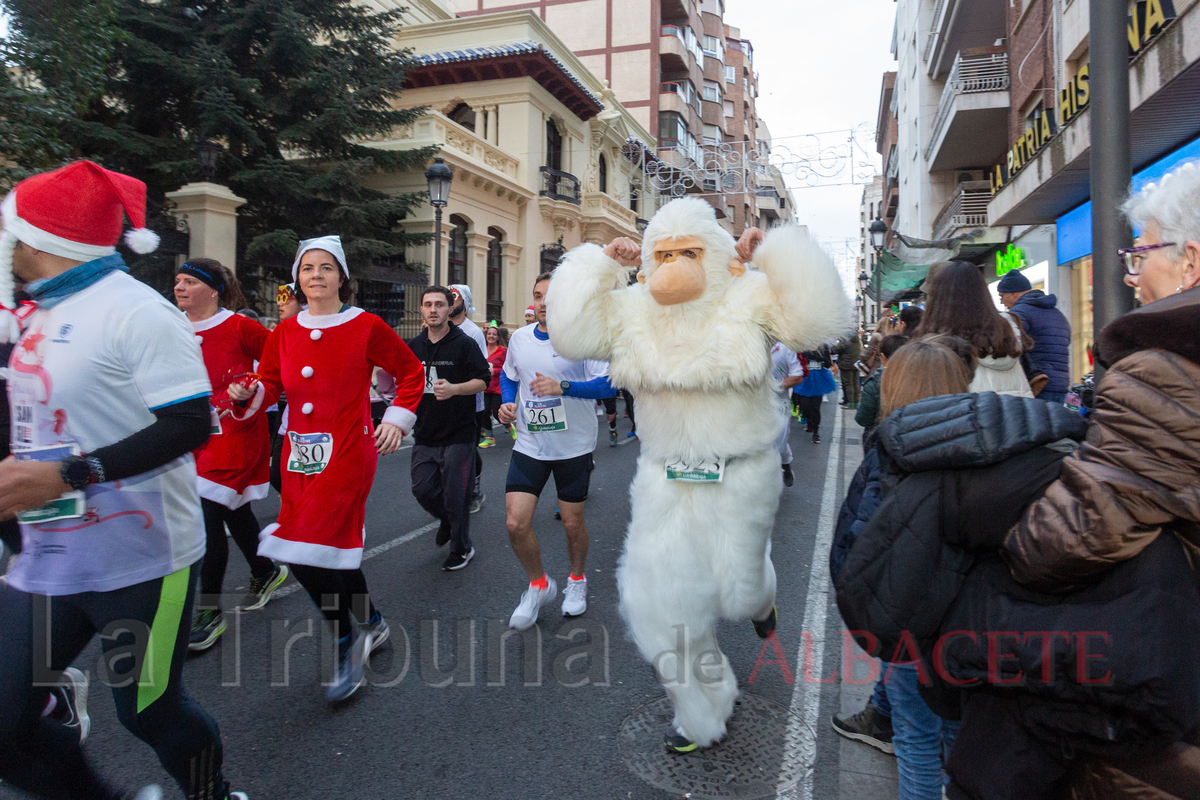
49, 292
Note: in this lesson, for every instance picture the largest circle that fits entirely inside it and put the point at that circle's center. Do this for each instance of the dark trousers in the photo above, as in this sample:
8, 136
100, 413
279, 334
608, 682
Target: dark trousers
337, 593
41, 756
851, 389
276, 469
243, 527
628, 395
442, 481
810, 407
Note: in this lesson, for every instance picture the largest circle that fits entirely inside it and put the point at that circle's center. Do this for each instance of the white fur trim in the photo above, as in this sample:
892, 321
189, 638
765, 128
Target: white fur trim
307, 320
141, 240
39, 239
313, 555
254, 406
809, 304
401, 417
8, 243
690, 216
212, 322
330, 244
579, 303
229, 497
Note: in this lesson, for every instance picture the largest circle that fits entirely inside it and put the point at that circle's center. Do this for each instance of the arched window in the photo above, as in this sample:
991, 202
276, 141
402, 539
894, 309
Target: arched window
456, 261
495, 275
603, 175
554, 144
464, 115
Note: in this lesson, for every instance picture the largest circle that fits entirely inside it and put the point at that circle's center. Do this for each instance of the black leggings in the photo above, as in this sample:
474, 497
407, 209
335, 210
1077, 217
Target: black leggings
337, 593
492, 402
628, 395
243, 527
42, 757
810, 407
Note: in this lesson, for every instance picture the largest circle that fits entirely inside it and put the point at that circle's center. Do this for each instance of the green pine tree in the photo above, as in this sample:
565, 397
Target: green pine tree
289, 88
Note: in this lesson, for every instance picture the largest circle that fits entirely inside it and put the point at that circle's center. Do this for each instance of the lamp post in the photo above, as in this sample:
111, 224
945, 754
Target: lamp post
863, 282
208, 154
878, 231
439, 176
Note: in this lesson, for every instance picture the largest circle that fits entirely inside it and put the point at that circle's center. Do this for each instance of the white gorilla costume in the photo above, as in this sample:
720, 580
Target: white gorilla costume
701, 373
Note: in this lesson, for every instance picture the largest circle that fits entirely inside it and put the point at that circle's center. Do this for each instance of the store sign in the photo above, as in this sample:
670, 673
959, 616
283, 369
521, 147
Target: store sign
1010, 259
1147, 19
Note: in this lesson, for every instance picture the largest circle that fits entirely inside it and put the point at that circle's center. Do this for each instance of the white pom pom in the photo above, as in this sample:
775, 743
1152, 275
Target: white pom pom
307, 408
141, 240
315, 335
307, 372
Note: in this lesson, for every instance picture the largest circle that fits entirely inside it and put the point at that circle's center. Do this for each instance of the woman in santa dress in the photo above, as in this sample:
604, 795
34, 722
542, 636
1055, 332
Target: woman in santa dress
324, 358
232, 466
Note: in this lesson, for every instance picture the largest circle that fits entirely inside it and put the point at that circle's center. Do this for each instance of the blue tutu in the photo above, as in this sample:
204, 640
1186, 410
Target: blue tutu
818, 382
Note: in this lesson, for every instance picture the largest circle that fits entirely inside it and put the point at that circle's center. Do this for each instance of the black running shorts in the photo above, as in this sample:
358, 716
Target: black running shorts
571, 476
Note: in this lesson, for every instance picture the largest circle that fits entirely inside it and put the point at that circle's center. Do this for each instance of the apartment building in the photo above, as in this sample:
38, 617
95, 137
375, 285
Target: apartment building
870, 209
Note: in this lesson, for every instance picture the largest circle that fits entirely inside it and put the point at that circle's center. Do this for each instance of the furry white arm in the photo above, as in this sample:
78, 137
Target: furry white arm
581, 301
807, 304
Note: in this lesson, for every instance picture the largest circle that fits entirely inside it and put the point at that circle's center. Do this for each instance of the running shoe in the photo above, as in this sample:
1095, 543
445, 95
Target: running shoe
816, 438
531, 603
612, 437
513, 430
456, 561
261, 589
378, 628
151, 792
767, 626
676, 742
788, 477
574, 597
71, 706
558, 513
868, 726
207, 627
238, 796
631, 435
351, 668
477, 503
487, 441
443, 534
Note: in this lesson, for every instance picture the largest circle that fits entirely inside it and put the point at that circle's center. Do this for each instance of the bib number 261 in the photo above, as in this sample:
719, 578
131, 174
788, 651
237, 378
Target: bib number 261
310, 452
545, 415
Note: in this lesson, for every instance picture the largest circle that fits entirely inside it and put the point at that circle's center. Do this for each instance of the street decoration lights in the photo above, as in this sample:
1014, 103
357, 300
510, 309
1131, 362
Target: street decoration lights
439, 176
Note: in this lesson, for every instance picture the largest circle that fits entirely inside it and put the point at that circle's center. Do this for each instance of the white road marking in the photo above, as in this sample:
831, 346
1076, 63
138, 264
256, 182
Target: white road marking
806, 699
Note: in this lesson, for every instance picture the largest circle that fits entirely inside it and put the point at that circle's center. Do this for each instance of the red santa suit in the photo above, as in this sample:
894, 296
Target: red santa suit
328, 462
233, 467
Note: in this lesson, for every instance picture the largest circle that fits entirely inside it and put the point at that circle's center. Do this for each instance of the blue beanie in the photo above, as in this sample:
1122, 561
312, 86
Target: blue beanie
1014, 282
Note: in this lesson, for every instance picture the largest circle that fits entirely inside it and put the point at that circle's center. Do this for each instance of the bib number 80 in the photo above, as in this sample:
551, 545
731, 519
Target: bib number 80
310, 452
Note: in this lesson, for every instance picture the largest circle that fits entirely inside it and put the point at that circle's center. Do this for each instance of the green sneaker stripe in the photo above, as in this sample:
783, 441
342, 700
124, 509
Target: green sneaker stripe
160, 649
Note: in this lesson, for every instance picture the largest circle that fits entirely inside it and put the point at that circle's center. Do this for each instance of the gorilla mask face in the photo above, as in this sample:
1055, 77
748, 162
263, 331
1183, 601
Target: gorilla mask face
678, 275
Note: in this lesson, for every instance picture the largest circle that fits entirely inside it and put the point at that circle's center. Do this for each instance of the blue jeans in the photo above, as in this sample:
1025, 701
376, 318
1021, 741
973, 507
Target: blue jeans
1053, 397
919, 735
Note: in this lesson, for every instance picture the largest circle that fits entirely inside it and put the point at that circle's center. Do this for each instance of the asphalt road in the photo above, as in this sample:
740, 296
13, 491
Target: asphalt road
446, 717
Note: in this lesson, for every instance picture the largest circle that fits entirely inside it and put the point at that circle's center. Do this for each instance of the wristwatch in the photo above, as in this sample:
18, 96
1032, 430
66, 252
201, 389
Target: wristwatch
80, 471
565, 386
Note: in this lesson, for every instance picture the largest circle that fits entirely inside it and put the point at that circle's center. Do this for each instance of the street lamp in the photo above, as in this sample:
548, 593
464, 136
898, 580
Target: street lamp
439, 177
208, 154
878, 231
863, 282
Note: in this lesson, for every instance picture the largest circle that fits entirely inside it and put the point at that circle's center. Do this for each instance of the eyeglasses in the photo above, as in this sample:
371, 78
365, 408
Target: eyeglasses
1131, 257
284, 293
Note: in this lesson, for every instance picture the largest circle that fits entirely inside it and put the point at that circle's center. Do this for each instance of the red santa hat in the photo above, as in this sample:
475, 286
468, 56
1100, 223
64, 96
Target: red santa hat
76, 212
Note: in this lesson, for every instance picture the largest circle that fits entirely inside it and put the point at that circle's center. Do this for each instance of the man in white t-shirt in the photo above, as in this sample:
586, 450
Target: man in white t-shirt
552, 402
787, 370
458, 315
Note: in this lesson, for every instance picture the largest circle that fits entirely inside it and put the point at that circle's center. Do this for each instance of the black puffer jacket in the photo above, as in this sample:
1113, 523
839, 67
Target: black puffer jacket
956, 472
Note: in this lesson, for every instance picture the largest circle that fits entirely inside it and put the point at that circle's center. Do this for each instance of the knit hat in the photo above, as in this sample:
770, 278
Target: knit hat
464, 292
1013, 282
76, 212
330, 244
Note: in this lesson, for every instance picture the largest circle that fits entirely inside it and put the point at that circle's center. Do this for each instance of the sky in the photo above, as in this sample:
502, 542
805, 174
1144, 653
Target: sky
820, 66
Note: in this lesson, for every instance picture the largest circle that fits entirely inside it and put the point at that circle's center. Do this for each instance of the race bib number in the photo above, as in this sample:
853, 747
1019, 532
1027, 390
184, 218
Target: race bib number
431, 377
66, 506
310, 452
22, 424
700, 471
545, 414
214, 421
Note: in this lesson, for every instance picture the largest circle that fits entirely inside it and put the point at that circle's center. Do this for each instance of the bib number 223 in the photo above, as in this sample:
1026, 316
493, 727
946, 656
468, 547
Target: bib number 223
310, 452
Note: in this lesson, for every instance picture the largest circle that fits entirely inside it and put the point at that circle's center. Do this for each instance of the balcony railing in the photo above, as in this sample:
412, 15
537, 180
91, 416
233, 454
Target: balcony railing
559, 185
967, 209
681, 89
971, 74
933, 34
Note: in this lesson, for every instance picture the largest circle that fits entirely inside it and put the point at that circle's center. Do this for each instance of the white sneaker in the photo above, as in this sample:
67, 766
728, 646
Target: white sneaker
574, 598
531, 603
151, 792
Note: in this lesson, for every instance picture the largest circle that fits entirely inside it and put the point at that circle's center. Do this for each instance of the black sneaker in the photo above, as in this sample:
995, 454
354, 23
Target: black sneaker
458, 560
869, 727
676, 742
816, 438
767, 626
788, 477
207, 627
443, 534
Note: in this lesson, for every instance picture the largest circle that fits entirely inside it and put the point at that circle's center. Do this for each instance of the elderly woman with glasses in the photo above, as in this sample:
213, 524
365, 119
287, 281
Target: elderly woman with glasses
1136, 479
